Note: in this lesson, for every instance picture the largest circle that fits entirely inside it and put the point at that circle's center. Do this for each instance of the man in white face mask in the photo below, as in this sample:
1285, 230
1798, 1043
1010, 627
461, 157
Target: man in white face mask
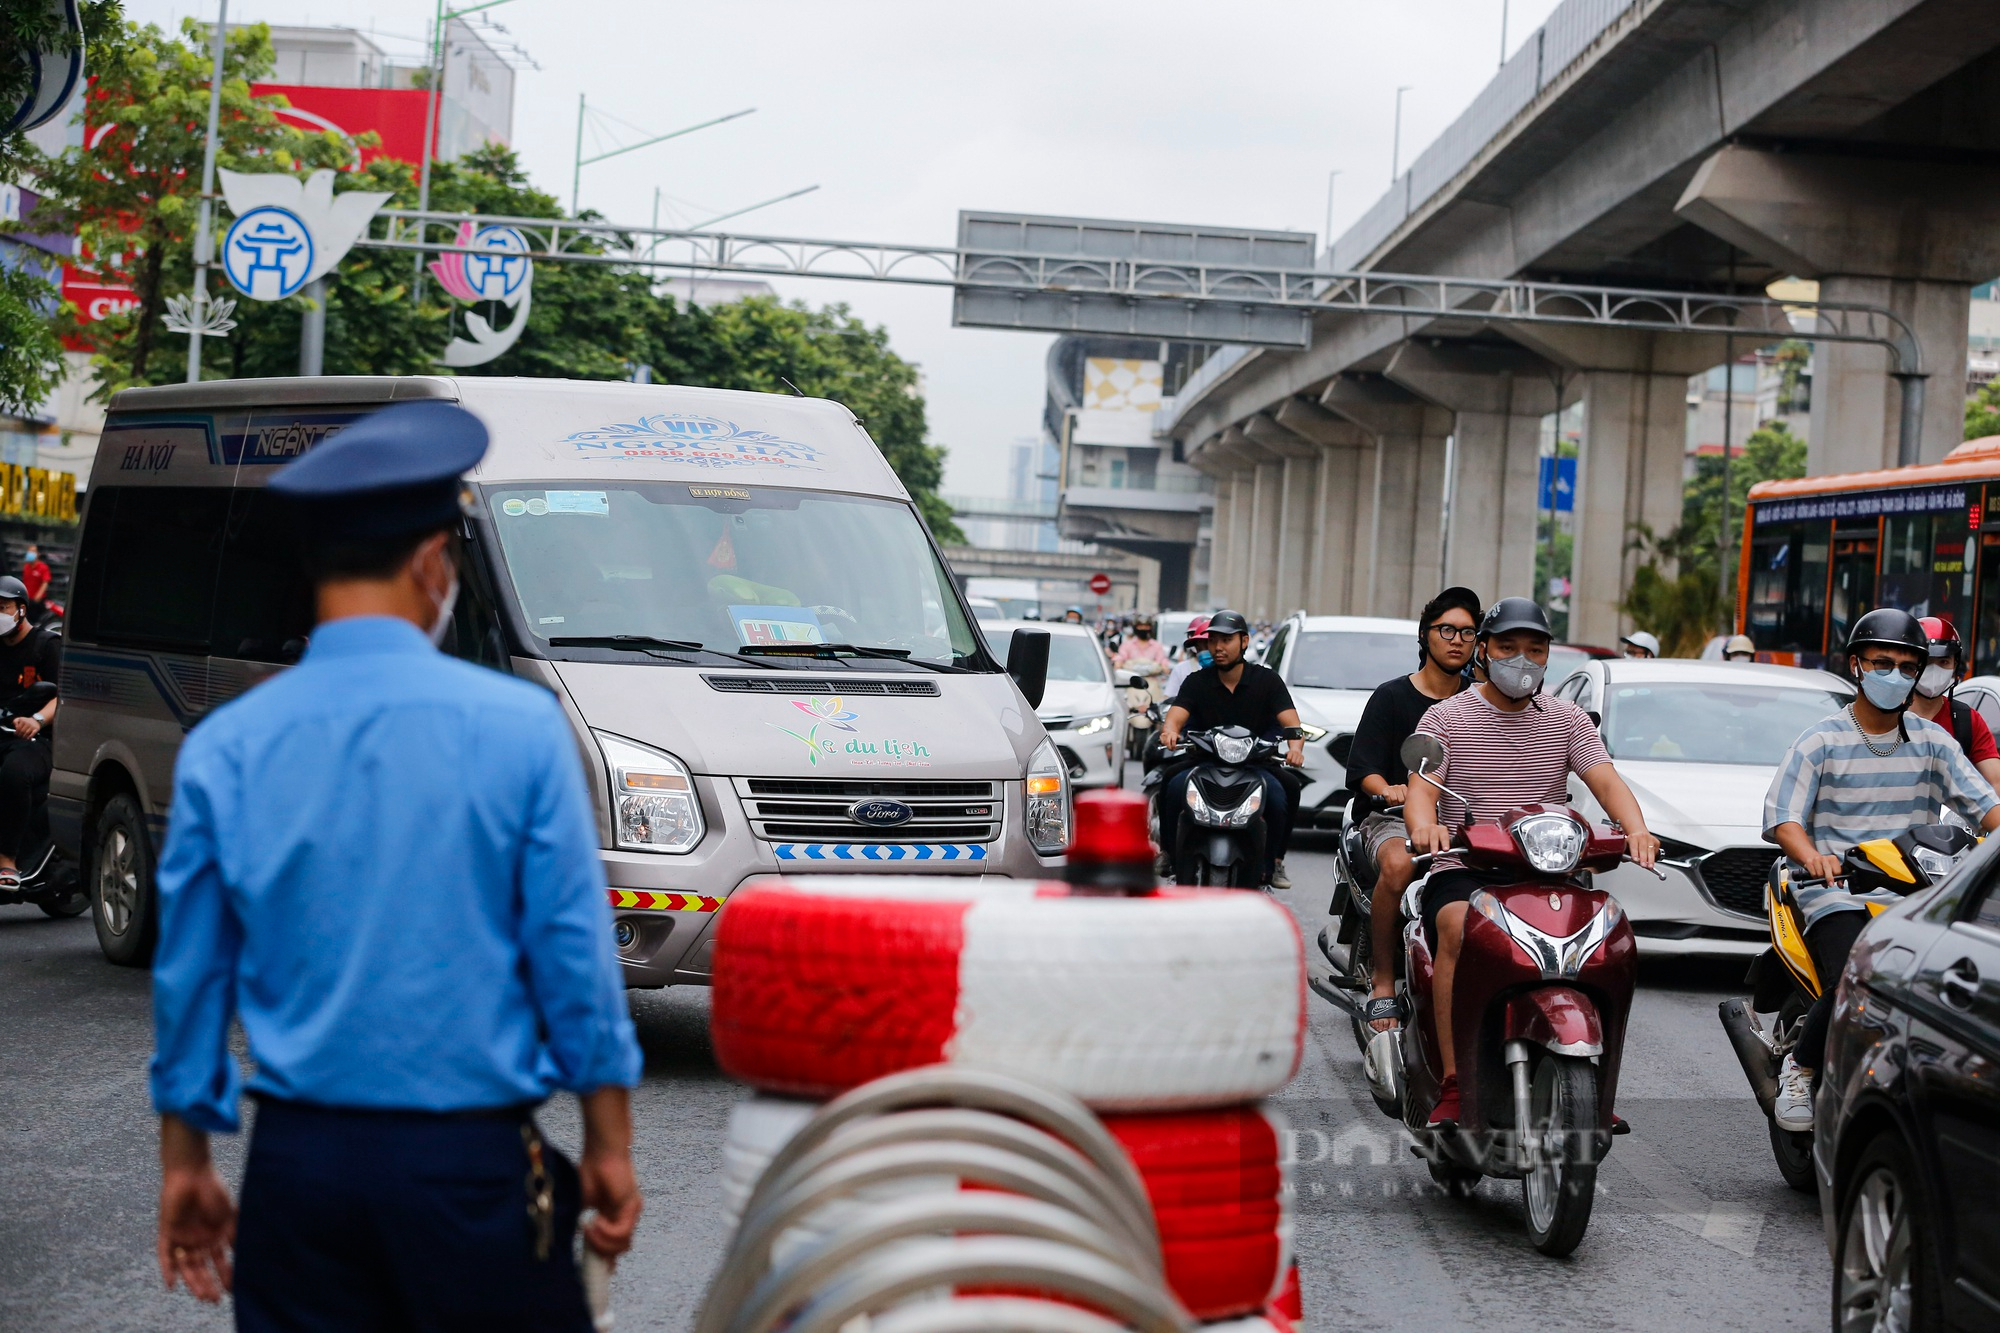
1933, 701
1506, 744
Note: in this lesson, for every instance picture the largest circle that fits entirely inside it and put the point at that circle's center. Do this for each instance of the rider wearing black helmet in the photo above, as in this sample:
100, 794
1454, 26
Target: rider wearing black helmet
1239, 693
1872, 770
1506, 744
29, 656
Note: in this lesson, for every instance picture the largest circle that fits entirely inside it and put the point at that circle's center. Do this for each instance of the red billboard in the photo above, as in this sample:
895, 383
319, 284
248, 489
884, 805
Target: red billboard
397, 114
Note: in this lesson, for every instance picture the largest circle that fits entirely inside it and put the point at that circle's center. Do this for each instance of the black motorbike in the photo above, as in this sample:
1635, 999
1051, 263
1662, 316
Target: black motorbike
1222, 834
1346, 940
49, 879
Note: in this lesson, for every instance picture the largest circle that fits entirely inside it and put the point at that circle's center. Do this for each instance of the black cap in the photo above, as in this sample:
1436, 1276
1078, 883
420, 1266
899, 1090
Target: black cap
396, 472
1228, 622
1514, 613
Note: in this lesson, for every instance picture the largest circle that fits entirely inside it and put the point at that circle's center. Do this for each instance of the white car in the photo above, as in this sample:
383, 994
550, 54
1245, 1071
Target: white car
1332, 664
1082, 709
1698, 744
1983, 694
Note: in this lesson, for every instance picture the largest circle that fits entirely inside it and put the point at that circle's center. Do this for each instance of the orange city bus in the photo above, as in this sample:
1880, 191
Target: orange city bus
1819, 551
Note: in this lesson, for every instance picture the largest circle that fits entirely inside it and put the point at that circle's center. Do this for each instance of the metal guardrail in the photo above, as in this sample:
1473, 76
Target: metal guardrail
1062, 1212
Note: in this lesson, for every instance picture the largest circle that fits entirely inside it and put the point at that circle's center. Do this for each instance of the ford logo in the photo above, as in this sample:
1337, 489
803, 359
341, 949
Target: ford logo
879, 813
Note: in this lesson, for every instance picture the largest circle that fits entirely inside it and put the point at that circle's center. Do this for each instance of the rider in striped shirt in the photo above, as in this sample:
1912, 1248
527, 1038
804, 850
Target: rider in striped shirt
1869, 771
1506, 744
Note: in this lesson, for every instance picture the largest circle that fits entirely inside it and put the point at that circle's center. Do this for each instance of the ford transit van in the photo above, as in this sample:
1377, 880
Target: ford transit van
767, 665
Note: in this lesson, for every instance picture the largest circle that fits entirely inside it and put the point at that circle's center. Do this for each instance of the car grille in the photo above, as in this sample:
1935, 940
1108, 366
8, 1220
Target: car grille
815, 810
908, 689
1340, 746
1735, 876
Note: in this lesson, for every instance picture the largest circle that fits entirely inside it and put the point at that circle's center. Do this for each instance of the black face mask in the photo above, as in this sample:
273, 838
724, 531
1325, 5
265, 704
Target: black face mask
1143, 633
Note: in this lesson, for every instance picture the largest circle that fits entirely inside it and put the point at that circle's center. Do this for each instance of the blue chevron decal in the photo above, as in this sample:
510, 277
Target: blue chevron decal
879, 851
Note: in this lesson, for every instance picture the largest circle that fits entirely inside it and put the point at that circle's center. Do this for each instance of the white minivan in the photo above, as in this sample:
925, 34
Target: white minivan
767, 665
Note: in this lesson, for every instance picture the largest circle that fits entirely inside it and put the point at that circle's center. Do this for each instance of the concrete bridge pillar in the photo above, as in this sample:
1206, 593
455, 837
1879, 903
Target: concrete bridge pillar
1345, 456
1298, 487
1400, 563
1910, 236
1498, 396
1235, 493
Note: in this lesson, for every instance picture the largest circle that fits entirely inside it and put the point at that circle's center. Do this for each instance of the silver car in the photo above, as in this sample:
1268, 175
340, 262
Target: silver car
1698, 744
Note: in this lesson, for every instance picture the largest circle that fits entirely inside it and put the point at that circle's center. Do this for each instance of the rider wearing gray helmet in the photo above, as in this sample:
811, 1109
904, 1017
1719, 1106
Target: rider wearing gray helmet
29, 656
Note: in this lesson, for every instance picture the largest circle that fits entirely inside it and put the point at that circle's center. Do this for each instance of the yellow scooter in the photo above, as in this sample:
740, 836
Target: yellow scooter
1764, 1027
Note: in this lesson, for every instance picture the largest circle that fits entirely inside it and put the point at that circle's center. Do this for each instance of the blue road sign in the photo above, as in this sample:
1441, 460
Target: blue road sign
1556, 488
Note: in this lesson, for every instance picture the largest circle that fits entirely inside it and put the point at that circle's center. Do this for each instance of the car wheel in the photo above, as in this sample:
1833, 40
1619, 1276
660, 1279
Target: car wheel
1885, 1274
121, 884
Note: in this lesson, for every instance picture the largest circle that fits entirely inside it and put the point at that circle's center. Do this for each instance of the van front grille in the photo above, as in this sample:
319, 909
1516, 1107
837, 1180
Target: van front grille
820, 685
816, 810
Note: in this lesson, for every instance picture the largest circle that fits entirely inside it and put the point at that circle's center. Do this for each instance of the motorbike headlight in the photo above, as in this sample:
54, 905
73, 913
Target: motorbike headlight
1234, 749
1090, 726
1048, 800
1935, 864
653, 804
1553, 844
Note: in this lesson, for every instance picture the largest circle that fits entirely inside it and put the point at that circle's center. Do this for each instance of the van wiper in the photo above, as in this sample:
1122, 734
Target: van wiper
830, 651
644, 643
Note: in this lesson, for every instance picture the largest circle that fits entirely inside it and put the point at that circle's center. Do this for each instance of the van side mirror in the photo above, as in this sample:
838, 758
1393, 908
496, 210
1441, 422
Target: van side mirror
1028, 663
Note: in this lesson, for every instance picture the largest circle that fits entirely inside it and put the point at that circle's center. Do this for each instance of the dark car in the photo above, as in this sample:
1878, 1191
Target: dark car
1907, 1121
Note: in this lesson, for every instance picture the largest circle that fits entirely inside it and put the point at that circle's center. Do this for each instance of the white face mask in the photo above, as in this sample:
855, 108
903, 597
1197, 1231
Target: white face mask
7, 624
443, 621
1935, 680
1516, 677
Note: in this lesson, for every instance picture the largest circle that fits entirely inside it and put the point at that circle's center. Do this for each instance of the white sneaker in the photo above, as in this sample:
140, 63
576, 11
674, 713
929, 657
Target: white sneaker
1793, 1111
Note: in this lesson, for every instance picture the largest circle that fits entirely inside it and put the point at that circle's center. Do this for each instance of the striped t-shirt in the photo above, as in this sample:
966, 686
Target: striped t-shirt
1842, 793
1497, 760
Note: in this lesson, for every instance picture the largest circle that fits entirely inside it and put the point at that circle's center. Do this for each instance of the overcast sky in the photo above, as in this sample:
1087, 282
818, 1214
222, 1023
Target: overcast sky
904, 113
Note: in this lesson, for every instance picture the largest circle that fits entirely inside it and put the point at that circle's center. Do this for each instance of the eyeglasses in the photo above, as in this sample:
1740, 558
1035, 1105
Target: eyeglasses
1456, 633
1907, 670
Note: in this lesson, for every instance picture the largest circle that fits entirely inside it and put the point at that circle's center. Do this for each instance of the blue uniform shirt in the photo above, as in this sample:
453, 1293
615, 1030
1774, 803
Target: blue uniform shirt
384, 863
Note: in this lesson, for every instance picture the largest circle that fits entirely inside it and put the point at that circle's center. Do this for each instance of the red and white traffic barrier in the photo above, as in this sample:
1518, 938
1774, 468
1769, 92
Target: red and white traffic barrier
1170, 1000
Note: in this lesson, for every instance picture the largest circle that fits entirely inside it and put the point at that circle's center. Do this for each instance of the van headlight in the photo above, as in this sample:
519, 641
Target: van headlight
1048, 800
653, 805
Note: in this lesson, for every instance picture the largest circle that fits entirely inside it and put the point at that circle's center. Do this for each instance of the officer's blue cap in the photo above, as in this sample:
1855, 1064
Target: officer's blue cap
395, 472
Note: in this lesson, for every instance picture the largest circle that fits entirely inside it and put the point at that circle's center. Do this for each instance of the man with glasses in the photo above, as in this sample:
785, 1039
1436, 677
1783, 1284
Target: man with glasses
1445, 637
1871, 770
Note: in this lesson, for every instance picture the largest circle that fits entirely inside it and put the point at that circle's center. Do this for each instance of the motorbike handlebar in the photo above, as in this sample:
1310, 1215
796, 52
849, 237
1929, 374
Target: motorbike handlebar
1655, 871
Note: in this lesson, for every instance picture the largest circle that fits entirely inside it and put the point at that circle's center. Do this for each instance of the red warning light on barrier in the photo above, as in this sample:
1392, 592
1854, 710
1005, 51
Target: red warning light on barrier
1110, 850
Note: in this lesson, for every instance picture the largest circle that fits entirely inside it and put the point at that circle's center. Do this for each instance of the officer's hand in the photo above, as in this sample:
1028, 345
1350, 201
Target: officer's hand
197, 1216
26, 727
612, 1188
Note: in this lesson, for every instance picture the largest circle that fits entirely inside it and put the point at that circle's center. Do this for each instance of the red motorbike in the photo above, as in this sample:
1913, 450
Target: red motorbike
1539, 1002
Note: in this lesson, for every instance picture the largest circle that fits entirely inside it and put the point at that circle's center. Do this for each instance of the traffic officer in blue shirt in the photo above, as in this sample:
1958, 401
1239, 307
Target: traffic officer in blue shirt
383, 863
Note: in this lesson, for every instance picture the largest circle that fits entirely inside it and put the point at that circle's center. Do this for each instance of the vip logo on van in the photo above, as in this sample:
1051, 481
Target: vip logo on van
700, 441
276, 438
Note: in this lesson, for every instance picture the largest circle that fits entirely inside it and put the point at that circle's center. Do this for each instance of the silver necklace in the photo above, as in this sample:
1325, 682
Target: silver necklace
1879, 754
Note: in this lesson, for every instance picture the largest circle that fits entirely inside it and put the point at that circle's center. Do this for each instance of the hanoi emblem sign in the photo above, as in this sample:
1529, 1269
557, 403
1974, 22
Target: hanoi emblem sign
268, 254
876, 812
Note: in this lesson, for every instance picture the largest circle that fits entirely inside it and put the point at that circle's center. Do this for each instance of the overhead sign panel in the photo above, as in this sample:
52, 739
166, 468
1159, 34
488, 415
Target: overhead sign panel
1146, 279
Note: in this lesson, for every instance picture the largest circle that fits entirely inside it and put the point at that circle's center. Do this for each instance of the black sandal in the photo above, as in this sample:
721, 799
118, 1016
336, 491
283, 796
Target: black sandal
1380, 1007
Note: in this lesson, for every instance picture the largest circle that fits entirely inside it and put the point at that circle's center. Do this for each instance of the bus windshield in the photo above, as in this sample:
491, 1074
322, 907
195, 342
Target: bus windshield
726, 567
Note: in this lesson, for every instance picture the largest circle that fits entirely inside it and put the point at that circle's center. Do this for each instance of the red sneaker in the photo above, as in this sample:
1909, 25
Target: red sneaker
1447, 1102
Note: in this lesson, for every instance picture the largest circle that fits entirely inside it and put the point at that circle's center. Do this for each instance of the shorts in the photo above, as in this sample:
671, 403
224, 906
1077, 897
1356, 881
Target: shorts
1378, 828
1445, 887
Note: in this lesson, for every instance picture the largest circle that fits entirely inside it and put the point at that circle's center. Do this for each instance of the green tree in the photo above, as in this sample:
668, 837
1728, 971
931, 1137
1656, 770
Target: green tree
1982, 412
1676, 593
31, 363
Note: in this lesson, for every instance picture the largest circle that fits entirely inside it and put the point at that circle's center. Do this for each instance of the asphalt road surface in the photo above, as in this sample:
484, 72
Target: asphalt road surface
1692, 1228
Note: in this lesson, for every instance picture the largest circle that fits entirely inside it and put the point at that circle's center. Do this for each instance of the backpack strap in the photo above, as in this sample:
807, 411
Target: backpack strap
1961, 724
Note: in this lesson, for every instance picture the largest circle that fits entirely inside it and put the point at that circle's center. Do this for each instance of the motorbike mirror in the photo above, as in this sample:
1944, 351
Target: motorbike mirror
1422, 751
1596, 718
1139, 683
1028, 663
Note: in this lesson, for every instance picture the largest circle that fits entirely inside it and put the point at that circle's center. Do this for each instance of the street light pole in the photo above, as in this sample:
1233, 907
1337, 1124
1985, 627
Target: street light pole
1396, 144
204, 230
1503, 34
1330, 176
434, 94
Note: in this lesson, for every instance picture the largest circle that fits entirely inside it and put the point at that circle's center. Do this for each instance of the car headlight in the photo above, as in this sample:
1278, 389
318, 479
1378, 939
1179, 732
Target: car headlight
653, 805
1048, 800
1312, 733
1233, 749
1553, 844
1556, 956
1090, 726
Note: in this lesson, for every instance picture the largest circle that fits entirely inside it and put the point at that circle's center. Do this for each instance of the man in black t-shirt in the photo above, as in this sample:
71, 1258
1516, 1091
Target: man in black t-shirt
1233, 692
1446, 637
28, 657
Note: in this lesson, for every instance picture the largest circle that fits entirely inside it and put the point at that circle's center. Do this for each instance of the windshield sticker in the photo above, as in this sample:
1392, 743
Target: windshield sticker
682, 437
717, 493
776, 625
857, 750
514, 508
578, 502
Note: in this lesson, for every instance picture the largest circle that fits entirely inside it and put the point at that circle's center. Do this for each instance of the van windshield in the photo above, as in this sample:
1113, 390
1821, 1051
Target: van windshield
727, 567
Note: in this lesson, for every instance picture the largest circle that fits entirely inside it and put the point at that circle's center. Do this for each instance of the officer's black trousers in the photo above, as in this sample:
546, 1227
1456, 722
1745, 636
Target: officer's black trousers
380, 1221
24, 768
